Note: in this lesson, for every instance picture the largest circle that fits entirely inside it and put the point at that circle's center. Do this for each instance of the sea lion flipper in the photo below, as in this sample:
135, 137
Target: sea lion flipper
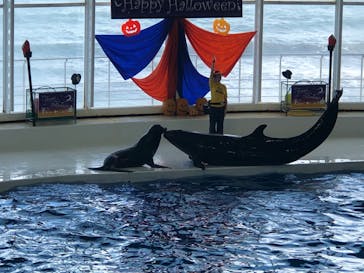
111, 169
153, 165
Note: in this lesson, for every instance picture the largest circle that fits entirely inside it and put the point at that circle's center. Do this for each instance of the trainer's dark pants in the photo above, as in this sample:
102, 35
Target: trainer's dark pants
217, 115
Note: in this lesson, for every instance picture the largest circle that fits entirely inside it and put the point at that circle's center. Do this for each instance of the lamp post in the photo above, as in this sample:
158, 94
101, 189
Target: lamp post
28, 54
76, 78
330, 47
287, 74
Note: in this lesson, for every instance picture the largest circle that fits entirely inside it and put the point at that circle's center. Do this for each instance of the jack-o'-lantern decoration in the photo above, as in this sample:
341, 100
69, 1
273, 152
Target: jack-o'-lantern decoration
221, 26
182, 107
169, 107
130, 28
193, 111
200, 103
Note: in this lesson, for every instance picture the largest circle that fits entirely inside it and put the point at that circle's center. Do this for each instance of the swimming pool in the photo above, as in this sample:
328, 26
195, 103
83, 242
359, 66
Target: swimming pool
271, 223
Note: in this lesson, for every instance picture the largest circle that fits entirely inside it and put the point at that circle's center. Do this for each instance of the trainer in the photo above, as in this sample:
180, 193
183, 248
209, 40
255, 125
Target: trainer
218, 101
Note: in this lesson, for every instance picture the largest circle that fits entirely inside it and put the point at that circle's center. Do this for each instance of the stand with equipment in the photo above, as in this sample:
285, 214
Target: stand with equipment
47, 103
306, 97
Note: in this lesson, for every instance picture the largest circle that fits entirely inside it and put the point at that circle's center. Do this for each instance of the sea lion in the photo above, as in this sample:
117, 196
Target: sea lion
138, 155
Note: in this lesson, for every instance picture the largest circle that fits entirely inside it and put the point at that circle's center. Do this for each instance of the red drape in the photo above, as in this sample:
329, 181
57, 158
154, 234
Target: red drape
226, 48
161, 84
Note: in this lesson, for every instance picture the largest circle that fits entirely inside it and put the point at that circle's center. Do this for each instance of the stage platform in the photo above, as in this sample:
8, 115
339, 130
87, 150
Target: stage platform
62, 153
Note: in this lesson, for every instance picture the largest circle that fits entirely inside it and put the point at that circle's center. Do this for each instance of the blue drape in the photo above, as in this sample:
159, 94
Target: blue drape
130, 55
191, 84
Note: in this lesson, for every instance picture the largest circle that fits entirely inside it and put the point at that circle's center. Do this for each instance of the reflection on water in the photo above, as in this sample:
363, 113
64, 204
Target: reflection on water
276, 223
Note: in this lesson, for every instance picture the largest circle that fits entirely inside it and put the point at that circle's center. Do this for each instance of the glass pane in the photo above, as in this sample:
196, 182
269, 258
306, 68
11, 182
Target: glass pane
1, 58
34, 2
239, 82
352, 54
112, 91
295, 38
56, 37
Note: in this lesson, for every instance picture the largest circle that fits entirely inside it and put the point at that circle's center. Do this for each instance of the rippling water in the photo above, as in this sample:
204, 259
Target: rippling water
276, 223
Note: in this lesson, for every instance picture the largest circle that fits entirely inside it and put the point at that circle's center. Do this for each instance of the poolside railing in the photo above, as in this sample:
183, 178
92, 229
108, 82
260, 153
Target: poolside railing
112, 91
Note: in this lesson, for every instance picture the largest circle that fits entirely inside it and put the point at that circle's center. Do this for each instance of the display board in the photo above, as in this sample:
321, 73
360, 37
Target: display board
56, 104
308, 95
126, 9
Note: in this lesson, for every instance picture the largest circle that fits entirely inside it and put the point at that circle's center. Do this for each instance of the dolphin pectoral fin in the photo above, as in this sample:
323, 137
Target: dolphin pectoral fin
198, 163
159, 166
112, 169
97, 168
120, 170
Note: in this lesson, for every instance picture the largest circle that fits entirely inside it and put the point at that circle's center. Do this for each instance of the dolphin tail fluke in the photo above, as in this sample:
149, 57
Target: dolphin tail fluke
97, 168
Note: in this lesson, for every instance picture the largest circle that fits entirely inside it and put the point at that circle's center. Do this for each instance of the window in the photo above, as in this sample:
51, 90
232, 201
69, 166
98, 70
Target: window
240, 81
111, 90
295, 38
1, 58
352, 53
56, 36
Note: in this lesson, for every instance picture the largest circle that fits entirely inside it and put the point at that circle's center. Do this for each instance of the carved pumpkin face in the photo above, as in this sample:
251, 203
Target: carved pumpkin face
182, 107
221, 26
130, 28
169, 107
193, 111
200, 105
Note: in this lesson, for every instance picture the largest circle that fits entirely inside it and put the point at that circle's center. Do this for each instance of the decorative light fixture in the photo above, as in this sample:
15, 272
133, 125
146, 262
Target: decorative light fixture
331, 42
130, 28
330, 47
76, 78
287, 74
221, 26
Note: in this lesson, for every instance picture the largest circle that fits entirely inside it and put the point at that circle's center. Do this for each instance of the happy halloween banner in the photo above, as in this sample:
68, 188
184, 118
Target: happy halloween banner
124, 9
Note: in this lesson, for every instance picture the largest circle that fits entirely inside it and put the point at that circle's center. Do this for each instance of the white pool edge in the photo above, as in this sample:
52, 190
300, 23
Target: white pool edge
175, 174
22, 138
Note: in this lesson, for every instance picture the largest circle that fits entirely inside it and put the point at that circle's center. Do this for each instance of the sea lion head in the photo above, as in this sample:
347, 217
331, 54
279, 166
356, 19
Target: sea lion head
152, 138
150, 141
157, 129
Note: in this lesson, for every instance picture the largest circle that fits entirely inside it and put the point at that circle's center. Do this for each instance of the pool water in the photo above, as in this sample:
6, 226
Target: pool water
275, 223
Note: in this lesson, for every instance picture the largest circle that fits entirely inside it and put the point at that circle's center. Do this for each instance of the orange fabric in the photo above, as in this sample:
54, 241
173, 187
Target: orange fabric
226, 48
161, 84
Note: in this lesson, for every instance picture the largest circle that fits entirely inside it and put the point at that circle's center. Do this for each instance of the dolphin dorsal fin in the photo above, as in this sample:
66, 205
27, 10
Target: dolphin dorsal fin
258, 132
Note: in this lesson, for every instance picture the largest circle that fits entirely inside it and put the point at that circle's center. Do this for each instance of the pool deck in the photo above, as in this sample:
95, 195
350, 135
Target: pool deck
63, 152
